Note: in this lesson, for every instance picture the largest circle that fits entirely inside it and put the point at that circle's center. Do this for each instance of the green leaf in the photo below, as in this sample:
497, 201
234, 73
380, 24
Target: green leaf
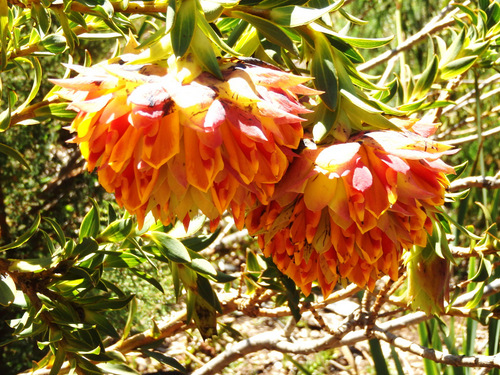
457, 67
54, 43
199, 243
378, 357
124, 259
60, 357
22, 239
108, 303
170, 361
205, 290
117, 231
101, 322
170, 247
55, 110
60, 238
5, 116
454, 49
252, 263
183, 28
324, 121
117, 368
90, 223
367, 43
214, 37
426, 80
16, 155
132, 310
147, 277
323, 70
269, 30
201, 265
201, 47
478, 295
294, 16
205, 318
85, 247
170, 15
7, 290
483, 271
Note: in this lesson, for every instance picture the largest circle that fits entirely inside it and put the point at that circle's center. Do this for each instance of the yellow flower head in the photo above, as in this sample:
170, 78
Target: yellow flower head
171, 147
350, 209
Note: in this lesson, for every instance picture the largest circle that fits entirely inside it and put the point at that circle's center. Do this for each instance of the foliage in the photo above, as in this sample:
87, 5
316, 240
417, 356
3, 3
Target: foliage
74, 264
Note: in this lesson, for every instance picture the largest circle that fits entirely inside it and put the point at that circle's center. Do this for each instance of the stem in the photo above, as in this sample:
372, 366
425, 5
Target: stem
402, 56
479, 134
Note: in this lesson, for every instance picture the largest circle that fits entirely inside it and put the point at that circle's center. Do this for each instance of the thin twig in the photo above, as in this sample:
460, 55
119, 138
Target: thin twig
487, 182
454, 142
442, 20
436, 355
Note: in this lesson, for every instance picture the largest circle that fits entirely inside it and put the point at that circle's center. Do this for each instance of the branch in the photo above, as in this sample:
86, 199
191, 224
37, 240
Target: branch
453, 142
436, 355
276, 341
441, 21
487, 182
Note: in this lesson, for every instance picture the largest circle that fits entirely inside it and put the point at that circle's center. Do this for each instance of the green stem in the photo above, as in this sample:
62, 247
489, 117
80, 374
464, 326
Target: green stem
480, 135
402, 56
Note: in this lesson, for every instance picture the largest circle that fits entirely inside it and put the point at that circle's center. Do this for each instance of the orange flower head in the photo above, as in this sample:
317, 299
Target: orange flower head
349, 210
171, 147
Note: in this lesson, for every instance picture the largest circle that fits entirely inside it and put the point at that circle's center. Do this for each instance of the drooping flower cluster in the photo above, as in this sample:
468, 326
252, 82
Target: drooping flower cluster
350, 209
171, 145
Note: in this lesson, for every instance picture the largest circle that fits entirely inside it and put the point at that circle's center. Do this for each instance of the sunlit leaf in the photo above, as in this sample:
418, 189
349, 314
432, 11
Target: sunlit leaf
294, 16
170, 247
269, 30
23, 238
183, 28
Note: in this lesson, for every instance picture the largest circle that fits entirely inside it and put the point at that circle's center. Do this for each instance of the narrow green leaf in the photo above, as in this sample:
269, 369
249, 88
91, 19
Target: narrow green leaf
117, 231
205, 318
323, 70
201, 265
323, 122
147, 277
483, 271
367, 43
55, 110
117, 368
199, 243
206, 291
5, 116
214, 37
478, 295
170, 247
90, 223
294, 16
269, 30
457, 67
183, 28
60, 356
378, 357
170, 15
54, 43
16, 155
162, 358
201, 47
125, 259
426, 80
7, 290
109, 303
454, 49
61, 239
132, 310
22, 239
